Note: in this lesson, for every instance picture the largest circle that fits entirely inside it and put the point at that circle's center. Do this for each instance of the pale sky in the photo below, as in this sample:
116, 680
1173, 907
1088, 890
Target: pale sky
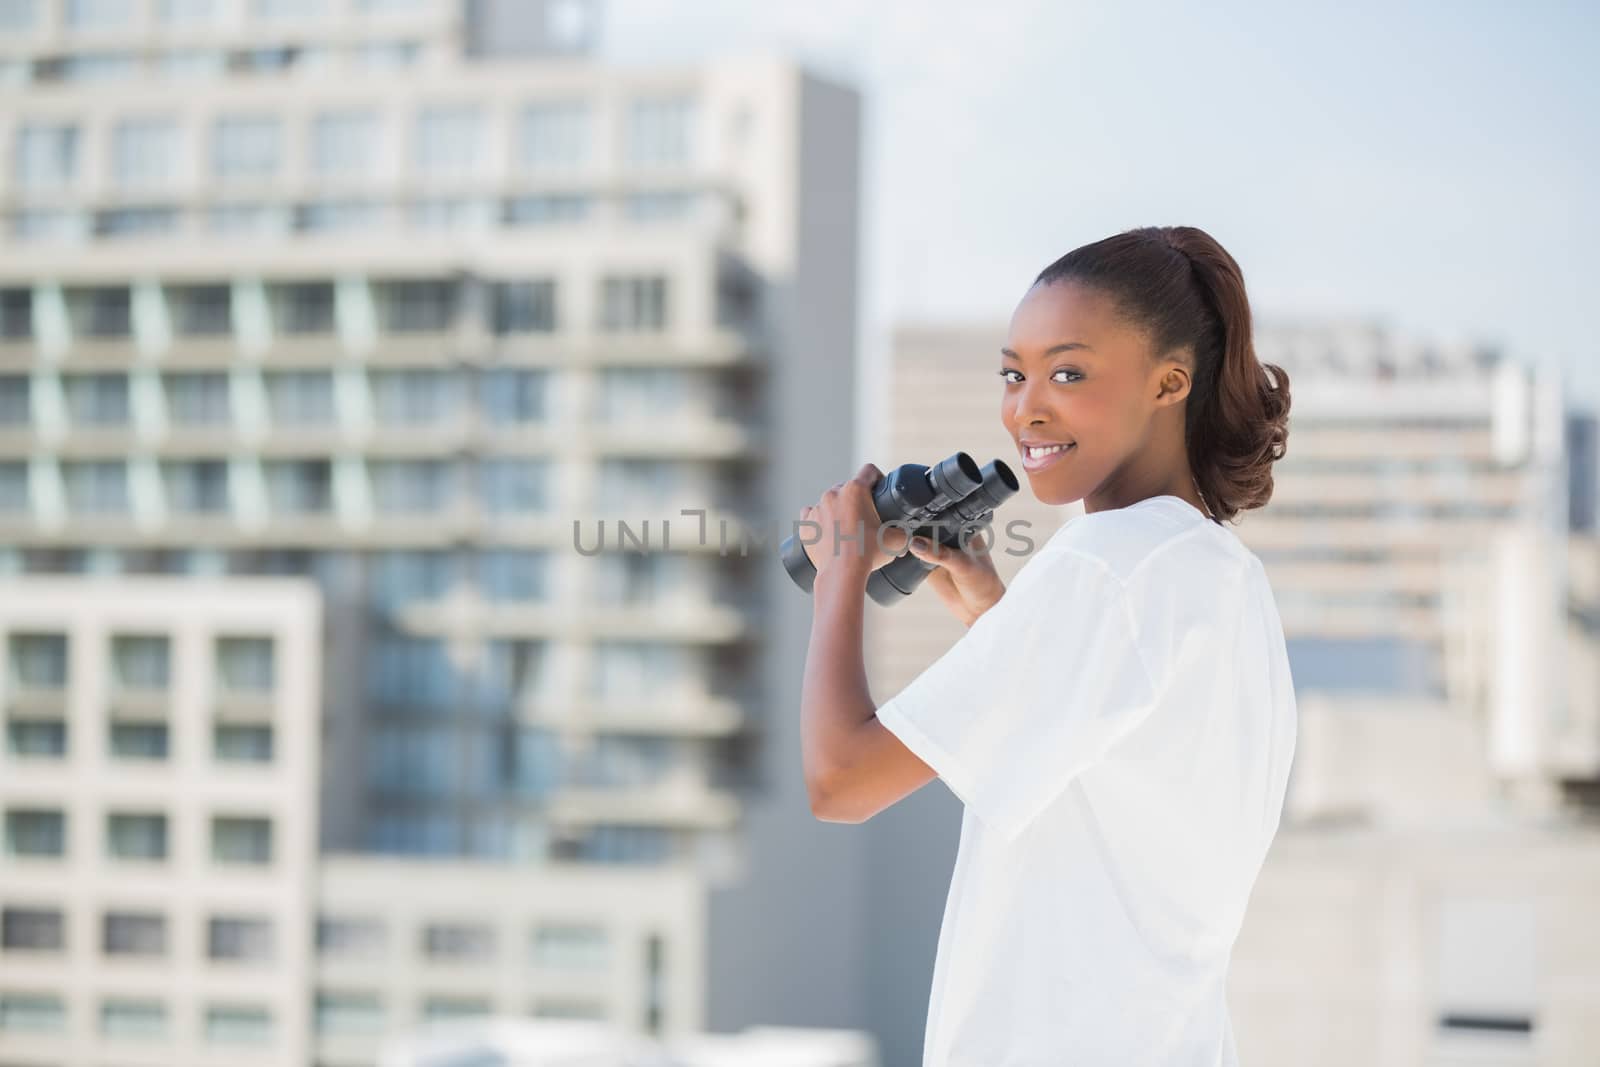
1435, 166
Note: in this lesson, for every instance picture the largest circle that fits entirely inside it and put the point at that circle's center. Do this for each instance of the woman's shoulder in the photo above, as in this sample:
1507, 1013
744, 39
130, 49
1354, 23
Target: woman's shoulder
1162, 540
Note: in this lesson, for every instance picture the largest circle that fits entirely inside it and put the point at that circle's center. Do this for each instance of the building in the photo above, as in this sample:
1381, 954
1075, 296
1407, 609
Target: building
404, 297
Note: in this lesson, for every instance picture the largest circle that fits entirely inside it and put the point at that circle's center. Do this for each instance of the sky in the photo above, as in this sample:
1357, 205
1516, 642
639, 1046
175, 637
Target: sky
1432, 166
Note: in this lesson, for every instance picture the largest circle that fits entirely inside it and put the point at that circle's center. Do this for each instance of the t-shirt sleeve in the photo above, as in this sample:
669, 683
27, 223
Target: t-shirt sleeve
1038, 689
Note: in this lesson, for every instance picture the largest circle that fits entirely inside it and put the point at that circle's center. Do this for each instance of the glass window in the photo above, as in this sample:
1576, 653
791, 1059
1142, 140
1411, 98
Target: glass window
14, 499
245, 664
569, 1008
404, 577
234, 938
14, 400
299, 487
304, 307
33, 929
413, 396
142, 661
349, 1013
458, 941
197, 63
633, 303
241, 743
198, 398
197, 487
636, 670
133, 1018
417, 306
139, 740
98, 66
344, 143
105, 311
512, 574
144, 152
237, 1024
333, 216
524, 307
449, 141
16, 314
97, 399
571, 946
187, 12
545, 209
514, 394
241, 839
96, 487
249, 219
435, 1009
512, 673
350, 937
131, 933
513, 486
413, 672
409, 486
554, 135
98, 14
659, 131
300, 397
39, 661
202, 310
140, 836
36, 738
19, 14
46, 155
32, 1013
245, 147
135, 221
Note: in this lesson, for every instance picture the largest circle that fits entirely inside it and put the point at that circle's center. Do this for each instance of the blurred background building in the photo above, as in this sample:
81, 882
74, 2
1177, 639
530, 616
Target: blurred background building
336, 341
1431, 547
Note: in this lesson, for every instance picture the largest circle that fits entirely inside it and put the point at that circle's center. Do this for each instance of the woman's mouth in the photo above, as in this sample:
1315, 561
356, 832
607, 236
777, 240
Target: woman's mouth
1038, 457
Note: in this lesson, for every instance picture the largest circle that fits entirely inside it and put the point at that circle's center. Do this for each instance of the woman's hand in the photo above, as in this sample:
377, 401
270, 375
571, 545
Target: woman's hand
849, 536
966, 582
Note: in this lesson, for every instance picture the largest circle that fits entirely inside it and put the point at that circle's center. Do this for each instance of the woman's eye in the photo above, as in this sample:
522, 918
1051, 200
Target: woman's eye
1057, 374
1004, 372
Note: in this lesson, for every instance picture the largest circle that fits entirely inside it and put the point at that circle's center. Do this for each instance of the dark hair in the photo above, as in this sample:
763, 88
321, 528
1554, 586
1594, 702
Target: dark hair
1185, 291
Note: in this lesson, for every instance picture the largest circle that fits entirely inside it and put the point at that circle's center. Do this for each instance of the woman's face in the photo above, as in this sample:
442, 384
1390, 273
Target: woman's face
1076, 375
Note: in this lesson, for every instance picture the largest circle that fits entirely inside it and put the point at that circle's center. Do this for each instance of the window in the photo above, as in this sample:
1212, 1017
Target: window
16, 314
330, 216
139, 740
237, 1024
449, 141
238, 743
142, 661
300, 397
568, 1008
32, 1013
435, 1009
304, 307
409, 486
133, 1018
514, 394
545, 209
571, 946
524, 307
199, 399
126, 933
140, 836
633, 303
344, 144
351, 938
105, 311
14, 497
245, 147
37, 738
96, 487
658, 206
412, 397
245, 664
458, 941
513, 486
32, 930
512, 574
46, 155
197, 487
417, 306
202, 310
133, 221
513, 672
18, 14
97, 399
98, 14
144, 152
196, 63
243, 939
349, 1013
658, 131
412, 672
637, 670
299, 487
187, 12
413, 761
241, 840
553, 135
39, 661
399, 578
253, 219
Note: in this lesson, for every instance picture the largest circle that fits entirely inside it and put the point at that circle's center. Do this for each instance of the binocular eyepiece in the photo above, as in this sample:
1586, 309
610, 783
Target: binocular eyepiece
946, 503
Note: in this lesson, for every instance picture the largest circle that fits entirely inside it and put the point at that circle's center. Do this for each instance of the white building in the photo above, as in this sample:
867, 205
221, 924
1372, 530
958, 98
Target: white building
386, 294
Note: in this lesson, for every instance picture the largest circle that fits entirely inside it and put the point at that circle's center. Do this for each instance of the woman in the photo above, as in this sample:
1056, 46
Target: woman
1120, 721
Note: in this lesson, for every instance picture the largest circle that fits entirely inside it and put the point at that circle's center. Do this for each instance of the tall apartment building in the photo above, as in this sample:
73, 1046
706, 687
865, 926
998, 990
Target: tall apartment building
1427, 899
403, 297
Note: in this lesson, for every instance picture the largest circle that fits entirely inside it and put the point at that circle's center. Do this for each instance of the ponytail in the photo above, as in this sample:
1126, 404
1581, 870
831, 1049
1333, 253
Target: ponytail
1184, 289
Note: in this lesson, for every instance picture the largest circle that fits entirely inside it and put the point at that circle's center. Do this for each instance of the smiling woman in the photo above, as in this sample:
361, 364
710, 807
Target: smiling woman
1118, 723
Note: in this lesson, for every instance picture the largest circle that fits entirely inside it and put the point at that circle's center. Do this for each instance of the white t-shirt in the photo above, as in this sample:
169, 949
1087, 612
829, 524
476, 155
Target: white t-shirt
1120, 727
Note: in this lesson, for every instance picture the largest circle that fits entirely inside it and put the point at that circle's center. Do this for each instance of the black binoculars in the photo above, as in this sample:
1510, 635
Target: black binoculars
946, 503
